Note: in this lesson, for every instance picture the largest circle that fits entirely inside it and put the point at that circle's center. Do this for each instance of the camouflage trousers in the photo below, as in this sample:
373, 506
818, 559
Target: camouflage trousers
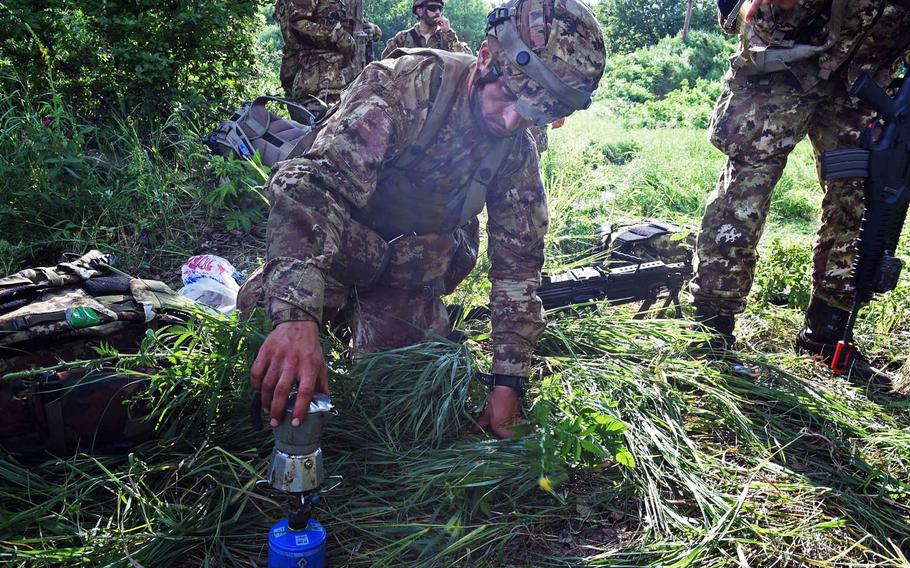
323, 75
757, 122
404, 306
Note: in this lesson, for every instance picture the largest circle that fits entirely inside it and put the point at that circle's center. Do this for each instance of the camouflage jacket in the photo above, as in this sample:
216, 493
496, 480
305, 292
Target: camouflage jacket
446, 41
872, 37
312, 26
379, 117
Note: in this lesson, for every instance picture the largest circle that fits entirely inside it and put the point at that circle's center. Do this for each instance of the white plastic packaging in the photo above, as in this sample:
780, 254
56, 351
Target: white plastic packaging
212, 281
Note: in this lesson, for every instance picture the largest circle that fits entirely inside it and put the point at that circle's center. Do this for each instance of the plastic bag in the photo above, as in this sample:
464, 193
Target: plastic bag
212, 281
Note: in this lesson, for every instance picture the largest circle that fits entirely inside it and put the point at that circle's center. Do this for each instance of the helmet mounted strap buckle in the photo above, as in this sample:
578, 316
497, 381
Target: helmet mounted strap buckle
498, 16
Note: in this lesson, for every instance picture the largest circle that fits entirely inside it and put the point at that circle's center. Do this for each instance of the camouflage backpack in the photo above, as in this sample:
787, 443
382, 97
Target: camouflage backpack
50, 316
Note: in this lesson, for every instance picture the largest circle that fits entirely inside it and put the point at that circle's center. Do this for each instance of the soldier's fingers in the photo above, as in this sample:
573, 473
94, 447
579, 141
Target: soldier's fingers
504, 431
259, 368
482, 422
280, 396
269, 380
753, 8
302, 404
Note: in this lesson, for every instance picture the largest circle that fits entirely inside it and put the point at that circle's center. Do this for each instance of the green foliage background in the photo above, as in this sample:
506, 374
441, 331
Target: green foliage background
632, 24
637, 453
146, 58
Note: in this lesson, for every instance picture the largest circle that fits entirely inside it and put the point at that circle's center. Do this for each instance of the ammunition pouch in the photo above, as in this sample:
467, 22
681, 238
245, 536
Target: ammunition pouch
429, 265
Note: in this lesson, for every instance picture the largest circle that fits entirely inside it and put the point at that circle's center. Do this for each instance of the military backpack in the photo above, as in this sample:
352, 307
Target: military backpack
55, 394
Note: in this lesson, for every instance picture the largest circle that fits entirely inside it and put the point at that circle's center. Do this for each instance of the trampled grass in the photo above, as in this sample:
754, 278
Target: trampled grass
637, 453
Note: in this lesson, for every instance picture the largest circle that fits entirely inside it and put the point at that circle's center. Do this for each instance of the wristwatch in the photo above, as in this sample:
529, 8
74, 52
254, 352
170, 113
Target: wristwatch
514, 382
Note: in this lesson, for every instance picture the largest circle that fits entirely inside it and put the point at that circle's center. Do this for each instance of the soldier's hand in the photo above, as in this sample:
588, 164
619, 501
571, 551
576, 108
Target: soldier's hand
291, 354
785, 5
343, 40
443, 23
501, 411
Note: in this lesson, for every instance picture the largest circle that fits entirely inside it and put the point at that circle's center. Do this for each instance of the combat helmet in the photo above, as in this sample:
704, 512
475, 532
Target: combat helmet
551, 54
418, 3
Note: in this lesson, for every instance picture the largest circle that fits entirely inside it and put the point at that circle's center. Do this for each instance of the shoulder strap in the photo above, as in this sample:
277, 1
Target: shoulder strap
415, 36
476, 195
455, 66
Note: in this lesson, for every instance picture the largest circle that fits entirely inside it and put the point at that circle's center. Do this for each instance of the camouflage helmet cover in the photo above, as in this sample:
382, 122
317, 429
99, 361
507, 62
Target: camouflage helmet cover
418, 3
551, 54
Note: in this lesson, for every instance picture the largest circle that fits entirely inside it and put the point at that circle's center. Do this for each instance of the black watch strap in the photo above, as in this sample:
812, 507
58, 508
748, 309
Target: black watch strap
496, 380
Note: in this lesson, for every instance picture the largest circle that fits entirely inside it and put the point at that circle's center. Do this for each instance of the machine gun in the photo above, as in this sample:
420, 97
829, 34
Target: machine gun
884, 160
636, 280
625, 279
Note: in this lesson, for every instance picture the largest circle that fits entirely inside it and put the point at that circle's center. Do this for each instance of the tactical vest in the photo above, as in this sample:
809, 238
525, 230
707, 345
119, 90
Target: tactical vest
397, 184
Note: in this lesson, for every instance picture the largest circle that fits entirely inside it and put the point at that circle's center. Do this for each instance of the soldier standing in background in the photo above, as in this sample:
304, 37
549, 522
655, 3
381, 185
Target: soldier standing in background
431, 30
325, 48
790, 79
434, 31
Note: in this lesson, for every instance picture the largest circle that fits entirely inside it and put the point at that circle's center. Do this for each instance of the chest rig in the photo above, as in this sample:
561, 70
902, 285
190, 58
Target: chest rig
402, 203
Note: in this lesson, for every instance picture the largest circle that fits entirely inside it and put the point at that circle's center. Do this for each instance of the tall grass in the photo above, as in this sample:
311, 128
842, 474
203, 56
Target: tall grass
636, 453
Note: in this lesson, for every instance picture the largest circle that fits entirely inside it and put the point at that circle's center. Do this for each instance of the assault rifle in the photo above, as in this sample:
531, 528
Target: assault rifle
625, 279
885, 163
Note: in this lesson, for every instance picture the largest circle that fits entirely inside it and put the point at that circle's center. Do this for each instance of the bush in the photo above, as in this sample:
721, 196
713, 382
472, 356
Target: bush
145, 57
685, 107
68, 184
783, 275
651, 73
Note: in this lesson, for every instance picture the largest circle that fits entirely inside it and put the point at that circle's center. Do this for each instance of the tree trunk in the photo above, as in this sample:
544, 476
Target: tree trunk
685, 30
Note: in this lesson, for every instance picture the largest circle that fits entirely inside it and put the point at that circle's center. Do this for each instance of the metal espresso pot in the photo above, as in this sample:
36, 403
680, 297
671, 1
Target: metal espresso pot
296, 469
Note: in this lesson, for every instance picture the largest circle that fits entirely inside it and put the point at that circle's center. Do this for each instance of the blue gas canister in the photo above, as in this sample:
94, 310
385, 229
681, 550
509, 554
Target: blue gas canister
297, 549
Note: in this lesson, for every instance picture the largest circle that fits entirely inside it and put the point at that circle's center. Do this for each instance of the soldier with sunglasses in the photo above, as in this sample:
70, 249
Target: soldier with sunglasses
379, 219
431, 30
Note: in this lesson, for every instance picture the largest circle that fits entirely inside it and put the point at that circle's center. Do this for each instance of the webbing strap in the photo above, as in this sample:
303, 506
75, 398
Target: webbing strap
452, 75
770, 59
476, 195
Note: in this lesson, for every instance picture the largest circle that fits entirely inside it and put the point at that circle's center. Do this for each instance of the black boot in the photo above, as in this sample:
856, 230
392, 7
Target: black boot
720, 326
823, 328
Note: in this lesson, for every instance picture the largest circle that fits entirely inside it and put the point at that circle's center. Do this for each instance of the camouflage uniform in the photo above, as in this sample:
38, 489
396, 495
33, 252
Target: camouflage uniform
759, 119
446, 41
318, 49
332, 213
380, 216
